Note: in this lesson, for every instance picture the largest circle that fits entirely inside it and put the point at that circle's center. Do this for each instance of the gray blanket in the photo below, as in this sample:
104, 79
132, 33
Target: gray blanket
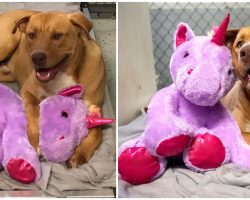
96, 178
226, 181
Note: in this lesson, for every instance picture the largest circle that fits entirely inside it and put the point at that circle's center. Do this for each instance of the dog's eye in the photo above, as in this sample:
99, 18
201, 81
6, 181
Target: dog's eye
64, 114
32, 35
239, 44
186, 55
56, 36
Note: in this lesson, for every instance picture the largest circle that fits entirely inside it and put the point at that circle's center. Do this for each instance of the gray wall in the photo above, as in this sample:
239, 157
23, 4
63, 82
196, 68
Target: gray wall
136, 64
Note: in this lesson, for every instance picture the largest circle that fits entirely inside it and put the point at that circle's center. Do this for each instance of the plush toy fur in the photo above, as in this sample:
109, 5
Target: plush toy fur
17, 156
64, 122
187, 117
62, 127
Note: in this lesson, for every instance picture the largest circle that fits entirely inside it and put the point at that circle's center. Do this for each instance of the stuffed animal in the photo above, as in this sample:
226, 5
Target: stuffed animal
186, 117
64, 122
17, 156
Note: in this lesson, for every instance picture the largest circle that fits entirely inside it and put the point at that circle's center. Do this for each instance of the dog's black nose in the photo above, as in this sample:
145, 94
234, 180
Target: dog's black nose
39, 59
245, 53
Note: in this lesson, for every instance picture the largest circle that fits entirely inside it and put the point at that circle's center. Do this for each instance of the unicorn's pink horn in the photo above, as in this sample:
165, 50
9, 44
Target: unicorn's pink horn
94, 121
219, 36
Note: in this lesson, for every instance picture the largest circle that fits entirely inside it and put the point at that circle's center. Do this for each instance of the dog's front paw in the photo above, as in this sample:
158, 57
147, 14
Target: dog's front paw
76, 161
33, 136
95, 110
38, 150
35, 146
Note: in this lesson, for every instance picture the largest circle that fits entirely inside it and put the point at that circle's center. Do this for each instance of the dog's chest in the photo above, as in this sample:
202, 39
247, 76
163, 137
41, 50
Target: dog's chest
60, 82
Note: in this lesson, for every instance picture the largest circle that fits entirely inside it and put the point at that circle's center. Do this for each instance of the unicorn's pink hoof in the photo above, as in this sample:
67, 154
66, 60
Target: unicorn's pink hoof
173, 146
137, 166
20, 170
206, 152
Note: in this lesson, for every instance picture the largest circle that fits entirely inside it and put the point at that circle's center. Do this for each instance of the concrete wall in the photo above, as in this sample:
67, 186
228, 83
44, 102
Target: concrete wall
136, 65
44, 6
105, 35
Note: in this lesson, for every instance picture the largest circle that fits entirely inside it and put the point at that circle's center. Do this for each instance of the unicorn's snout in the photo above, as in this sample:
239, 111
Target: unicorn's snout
204, 92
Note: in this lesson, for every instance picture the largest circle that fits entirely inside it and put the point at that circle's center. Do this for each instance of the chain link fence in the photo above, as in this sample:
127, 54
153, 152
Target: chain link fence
200, 16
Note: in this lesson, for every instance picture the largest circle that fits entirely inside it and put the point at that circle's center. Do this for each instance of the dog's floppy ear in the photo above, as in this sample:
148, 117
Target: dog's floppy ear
230, 37
21, 24
80, 20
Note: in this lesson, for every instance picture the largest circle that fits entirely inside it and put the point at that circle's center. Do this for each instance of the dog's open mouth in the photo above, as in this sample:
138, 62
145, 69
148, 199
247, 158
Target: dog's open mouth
248, 76
47, 74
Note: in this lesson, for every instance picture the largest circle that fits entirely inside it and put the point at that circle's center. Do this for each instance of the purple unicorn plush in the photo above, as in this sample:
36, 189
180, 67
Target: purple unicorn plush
187, 117
64, 122
17, 156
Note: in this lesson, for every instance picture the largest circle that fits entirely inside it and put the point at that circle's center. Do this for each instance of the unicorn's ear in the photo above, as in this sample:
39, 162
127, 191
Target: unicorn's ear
75, 91
182, 34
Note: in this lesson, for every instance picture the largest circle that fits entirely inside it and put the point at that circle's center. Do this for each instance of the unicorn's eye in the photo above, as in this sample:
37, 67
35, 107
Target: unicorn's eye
186, 55
64, 114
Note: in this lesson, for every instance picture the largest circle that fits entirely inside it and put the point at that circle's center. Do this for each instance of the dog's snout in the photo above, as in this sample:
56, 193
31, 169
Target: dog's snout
245, 53
39, 58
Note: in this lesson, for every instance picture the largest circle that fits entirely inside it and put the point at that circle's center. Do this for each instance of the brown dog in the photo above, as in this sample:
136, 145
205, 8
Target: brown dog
51, 51
238, 99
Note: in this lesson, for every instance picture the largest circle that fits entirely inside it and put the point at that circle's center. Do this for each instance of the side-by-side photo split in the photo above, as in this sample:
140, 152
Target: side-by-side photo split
119, 99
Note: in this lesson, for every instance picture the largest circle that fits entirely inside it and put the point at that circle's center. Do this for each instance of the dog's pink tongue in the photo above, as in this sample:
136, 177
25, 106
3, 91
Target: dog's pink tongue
44, 76
247, 79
